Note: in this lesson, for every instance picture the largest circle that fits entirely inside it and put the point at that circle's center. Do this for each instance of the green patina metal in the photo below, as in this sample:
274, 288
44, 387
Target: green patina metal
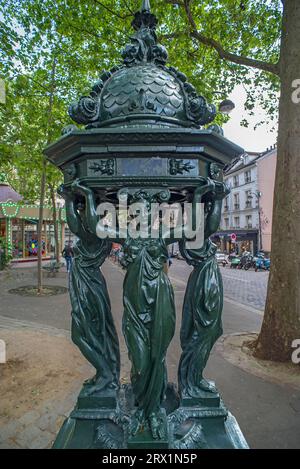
144, 138
93, 330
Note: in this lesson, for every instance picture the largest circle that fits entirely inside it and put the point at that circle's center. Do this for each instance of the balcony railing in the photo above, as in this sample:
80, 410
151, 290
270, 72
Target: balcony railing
236, 206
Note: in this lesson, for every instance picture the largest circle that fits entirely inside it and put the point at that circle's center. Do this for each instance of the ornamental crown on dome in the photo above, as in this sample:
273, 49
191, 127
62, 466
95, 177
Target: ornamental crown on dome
143, 90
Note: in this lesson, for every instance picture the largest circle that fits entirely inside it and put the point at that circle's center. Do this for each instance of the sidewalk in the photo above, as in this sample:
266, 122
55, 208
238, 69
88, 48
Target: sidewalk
268, 412
39, 383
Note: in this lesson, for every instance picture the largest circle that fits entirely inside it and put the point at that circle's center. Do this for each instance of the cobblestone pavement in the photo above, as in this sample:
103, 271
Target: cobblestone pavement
37, 429
246, 287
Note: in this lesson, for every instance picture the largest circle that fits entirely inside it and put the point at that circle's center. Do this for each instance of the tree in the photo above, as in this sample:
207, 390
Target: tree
48, 132
222, 43
26, 127
39, 69
281, 324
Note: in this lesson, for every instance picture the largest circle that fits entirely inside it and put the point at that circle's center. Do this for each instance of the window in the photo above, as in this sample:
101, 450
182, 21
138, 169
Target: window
226, 204
248, 197
226, 222
236, 222
247, 176
248, 221
236, 199
235, 181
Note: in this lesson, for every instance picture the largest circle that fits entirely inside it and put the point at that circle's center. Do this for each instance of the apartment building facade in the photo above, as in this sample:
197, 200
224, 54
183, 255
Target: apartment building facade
266, 169
247, 211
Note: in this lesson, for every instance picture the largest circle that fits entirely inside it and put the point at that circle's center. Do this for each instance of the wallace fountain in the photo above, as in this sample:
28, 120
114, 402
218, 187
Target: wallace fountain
147, 137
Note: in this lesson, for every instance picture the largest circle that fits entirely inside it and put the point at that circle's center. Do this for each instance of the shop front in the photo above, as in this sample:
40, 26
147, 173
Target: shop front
244, 240
19, 227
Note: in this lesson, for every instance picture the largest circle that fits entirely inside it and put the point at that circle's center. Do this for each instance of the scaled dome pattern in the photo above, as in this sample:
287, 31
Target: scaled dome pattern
143, 90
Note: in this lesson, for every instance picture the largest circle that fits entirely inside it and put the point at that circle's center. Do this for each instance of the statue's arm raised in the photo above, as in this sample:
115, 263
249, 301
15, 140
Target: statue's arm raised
90, 207
200, 191
215, 211
91, 216
177, 233
73, 218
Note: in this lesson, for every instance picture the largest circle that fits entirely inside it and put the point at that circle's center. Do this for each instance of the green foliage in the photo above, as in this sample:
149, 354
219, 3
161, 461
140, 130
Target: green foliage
23, 127
83, 38
4, 257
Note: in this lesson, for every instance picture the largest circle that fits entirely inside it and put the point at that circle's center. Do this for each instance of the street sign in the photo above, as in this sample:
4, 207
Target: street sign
233, 237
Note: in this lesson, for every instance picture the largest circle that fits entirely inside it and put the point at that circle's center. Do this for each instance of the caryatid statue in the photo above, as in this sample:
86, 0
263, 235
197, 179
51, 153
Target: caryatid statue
149, 308
203, 301
93, 329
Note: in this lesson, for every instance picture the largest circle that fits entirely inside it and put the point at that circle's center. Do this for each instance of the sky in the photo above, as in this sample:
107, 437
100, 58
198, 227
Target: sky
246, 137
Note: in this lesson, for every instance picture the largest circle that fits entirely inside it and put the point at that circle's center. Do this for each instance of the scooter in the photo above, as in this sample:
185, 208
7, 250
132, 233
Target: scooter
262, 264
235, 262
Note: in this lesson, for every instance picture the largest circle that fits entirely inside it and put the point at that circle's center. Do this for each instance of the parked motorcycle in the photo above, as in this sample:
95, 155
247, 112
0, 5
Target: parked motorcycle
246, 261
250, 262
262, 263
235, 262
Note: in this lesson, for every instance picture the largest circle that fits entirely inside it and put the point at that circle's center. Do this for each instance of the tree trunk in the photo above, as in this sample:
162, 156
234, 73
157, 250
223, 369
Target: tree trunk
281, 324
40, 226
55, 223
43, 181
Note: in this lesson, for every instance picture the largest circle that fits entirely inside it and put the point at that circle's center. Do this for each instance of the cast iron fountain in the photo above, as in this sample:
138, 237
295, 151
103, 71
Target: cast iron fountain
144, 139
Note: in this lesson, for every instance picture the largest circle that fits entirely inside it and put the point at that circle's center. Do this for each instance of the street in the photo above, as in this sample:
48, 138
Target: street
246, 287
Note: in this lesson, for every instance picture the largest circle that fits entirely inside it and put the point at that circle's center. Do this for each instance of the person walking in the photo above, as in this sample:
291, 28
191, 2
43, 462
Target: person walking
68, 254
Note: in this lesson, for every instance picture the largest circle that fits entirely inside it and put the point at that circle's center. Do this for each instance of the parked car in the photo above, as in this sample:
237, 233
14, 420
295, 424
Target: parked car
222, 258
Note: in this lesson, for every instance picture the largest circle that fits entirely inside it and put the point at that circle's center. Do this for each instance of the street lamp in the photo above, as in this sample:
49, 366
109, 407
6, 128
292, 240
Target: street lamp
226, 106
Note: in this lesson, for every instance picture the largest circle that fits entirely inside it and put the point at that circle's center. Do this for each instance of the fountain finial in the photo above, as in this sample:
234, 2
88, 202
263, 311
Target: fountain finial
145, 6
144, 18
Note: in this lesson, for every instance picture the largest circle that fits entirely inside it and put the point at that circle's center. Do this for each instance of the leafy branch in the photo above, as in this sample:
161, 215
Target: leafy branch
223, 53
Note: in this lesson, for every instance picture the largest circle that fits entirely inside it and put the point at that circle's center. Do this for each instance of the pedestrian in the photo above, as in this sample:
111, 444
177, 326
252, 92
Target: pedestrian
68, 254
116, 253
